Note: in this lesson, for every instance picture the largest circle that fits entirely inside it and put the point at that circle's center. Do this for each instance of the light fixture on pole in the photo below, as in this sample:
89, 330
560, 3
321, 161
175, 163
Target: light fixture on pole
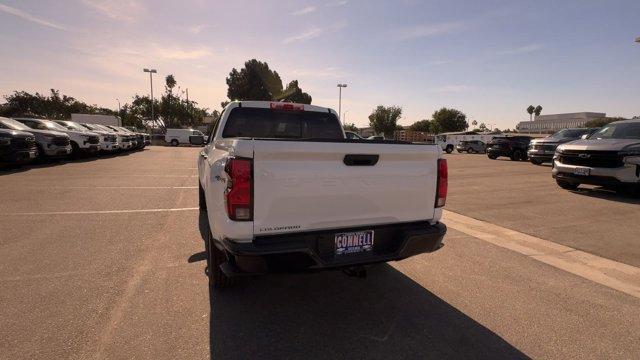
151, 72
340, 86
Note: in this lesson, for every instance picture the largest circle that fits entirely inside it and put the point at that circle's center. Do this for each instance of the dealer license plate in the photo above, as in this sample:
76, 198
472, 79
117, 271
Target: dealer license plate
354, 242
581, 171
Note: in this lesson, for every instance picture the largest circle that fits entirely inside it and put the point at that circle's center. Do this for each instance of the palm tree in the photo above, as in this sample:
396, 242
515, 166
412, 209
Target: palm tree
537, 110
530, 110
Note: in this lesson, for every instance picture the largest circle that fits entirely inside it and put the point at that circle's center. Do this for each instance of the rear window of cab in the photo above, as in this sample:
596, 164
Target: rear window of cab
285, 124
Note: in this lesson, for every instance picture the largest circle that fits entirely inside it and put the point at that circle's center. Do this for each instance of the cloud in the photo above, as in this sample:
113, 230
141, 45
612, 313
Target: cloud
452, 89
421, 31
305, 36
521, 50
176, 53
328, 72
306, 10
440, 62
196, 29
29, 17
337, 3
122, 10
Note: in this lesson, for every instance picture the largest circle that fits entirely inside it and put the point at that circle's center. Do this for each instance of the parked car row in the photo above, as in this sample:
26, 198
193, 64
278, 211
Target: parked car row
24, 139
608, 157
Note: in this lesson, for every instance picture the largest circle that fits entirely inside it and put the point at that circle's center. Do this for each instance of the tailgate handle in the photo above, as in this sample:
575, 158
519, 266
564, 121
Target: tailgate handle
360, 159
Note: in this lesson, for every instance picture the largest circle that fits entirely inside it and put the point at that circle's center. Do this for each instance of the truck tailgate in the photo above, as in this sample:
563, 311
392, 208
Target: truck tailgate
305, 186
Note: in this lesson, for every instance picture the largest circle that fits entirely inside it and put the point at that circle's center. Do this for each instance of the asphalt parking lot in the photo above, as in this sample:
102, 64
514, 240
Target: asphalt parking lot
104, 258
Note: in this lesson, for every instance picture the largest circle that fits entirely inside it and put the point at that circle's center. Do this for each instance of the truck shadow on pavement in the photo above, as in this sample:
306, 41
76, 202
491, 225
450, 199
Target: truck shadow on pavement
605, 194
328, 315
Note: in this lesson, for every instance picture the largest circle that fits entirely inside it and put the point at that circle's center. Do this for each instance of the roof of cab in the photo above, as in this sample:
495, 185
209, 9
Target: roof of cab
267, 104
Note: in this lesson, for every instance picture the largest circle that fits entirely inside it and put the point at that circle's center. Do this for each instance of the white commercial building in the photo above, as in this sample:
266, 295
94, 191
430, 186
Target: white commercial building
554, 122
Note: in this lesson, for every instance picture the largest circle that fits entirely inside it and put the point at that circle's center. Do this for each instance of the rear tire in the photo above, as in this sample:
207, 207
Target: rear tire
175, 142
492, 157
449, 149
567, 185
535, 162
216, 257
516, 155
202, 203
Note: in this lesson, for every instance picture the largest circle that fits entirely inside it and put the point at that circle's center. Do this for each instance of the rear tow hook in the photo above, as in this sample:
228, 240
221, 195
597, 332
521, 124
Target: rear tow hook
355, 271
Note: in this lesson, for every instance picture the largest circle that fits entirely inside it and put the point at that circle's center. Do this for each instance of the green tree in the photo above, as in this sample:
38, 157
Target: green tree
350, 127
537, 110
428, 126
53, 106
256, 81
600, 122
530, 110
384, 120
483, 127
449, 120
293, 93
421, 125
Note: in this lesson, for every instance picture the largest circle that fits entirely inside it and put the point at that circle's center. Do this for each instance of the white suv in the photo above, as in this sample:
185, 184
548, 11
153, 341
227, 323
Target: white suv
81, 142
609, 158
108, 141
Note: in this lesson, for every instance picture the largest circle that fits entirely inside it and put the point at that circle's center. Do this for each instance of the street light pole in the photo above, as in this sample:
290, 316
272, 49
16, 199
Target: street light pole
118, 100
344, 115
340, 86
151, 72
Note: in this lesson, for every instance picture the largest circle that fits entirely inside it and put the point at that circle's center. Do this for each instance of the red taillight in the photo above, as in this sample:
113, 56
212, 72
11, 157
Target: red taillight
238, 195
443, 178
286, 106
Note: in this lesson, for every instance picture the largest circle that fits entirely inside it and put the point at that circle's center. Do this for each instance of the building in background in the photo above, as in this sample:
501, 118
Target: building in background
554, 122
411, 136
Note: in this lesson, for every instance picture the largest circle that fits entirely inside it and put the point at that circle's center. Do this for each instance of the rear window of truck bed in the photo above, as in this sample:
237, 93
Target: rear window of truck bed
274, 123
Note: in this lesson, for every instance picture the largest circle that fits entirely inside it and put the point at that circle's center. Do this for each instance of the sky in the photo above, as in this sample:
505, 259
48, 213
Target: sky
489, 59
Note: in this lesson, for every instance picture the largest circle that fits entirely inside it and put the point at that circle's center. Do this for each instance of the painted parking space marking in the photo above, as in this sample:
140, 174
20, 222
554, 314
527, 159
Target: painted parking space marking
124, 187
98, 212
612, 274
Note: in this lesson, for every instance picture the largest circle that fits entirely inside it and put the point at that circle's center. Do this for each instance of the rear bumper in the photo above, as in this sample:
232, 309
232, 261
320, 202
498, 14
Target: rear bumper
316, 250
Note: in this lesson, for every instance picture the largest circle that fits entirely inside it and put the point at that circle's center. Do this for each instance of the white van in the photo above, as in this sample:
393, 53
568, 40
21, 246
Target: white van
448, 141
176, 137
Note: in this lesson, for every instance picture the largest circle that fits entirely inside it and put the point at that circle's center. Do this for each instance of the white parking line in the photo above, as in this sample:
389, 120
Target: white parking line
124, 187
97, 212
612, 274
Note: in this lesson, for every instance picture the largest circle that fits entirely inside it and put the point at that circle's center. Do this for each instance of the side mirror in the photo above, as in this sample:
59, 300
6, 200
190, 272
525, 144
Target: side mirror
584, 137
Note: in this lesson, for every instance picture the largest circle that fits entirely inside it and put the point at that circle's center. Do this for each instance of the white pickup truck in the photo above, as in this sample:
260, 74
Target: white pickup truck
284, 190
